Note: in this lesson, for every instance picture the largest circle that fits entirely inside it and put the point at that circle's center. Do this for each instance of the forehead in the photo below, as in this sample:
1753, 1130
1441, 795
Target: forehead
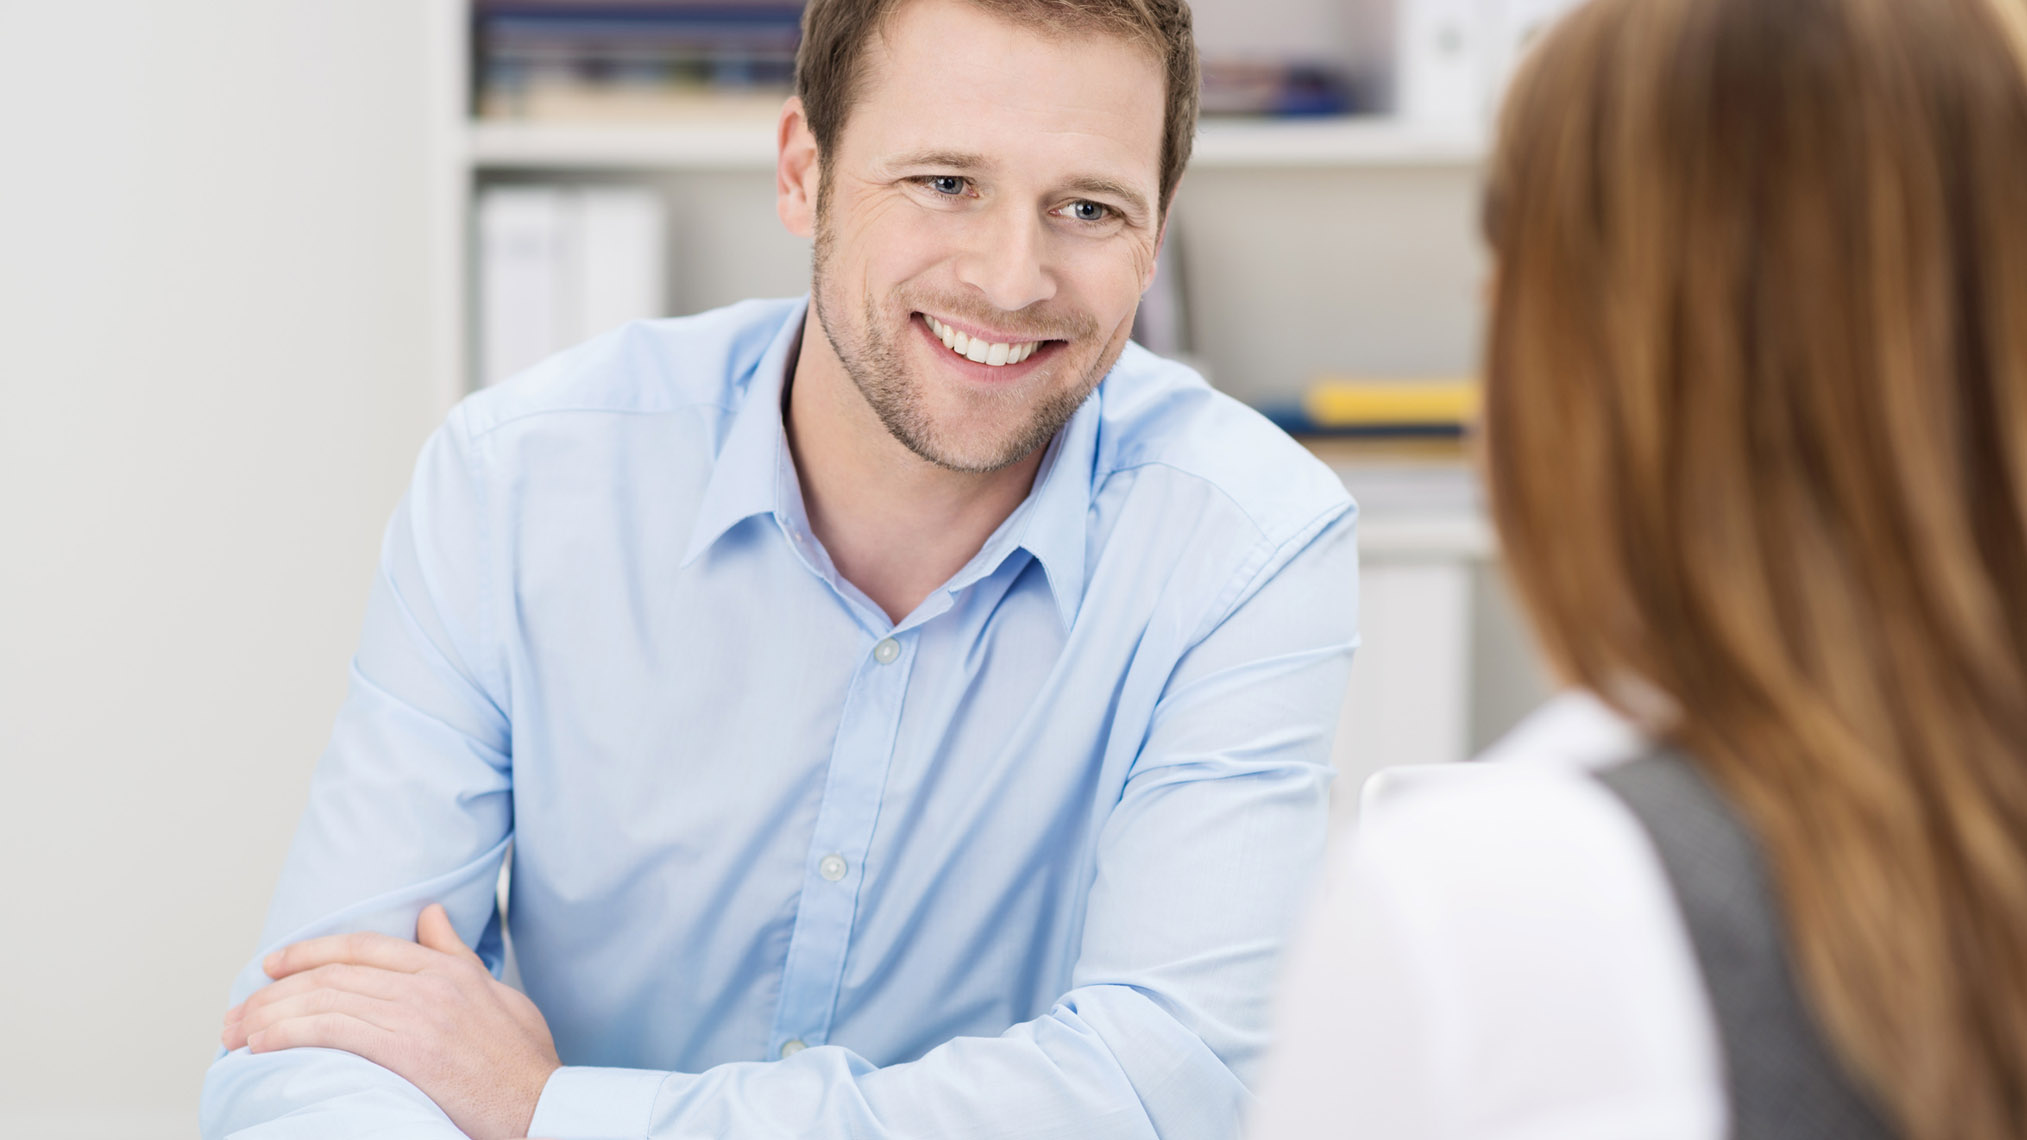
948, 75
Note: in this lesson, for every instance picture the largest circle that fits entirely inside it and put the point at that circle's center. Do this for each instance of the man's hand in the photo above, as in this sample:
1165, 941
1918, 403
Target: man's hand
428, 1010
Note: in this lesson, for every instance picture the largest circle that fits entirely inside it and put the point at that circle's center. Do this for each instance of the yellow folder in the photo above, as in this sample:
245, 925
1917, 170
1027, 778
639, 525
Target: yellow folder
1338, 402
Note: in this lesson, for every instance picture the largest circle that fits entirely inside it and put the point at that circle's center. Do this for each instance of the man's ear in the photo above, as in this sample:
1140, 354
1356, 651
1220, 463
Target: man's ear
1161, 237
796, 170
1154, 263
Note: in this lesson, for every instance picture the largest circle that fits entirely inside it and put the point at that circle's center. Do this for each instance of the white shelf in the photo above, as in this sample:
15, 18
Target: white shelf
749, 145
734, 145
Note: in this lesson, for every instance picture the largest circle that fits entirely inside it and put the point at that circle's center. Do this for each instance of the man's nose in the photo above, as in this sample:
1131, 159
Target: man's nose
1008, 260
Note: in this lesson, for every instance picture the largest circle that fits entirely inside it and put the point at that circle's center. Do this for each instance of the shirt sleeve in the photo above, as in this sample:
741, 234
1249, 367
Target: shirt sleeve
1201, 867
410, 804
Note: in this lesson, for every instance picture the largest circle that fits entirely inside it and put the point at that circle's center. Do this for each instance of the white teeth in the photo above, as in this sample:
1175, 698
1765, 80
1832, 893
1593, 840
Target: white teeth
992, 355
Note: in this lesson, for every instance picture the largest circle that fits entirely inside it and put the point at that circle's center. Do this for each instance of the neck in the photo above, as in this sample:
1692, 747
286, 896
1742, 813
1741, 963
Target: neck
895, 525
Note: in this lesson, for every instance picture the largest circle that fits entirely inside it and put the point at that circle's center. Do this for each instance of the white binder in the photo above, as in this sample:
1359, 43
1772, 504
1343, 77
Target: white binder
560, 264
1440, 72
519, 277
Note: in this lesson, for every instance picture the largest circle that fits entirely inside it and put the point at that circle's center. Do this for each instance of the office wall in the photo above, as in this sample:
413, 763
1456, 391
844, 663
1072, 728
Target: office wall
1372, 271
213, 379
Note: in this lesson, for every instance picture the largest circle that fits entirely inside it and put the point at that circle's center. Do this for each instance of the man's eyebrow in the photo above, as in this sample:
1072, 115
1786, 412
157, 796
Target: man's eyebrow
957, 159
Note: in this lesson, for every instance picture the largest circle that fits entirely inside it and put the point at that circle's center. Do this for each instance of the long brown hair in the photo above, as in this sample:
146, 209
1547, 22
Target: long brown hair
1756, 443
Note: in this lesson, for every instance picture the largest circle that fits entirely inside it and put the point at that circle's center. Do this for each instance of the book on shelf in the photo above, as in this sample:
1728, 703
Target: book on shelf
558, 264
634, 60
1368, 407
687, 60
1280, 88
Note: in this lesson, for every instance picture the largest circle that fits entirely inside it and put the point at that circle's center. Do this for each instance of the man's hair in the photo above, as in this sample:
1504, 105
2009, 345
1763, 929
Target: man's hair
830, 64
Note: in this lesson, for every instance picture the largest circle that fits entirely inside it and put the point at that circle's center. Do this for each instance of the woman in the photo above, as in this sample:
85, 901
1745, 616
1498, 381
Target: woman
1756, 445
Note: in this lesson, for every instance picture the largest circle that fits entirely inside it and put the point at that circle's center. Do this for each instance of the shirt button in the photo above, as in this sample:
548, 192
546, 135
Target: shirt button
886, 651
831, 867
791, 1047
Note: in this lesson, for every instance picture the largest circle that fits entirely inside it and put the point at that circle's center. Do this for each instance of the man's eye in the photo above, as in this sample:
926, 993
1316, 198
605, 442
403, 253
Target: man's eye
949, 185
1090, 211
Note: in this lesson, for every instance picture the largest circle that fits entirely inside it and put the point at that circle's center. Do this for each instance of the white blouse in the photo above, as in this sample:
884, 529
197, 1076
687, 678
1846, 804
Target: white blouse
1497, 955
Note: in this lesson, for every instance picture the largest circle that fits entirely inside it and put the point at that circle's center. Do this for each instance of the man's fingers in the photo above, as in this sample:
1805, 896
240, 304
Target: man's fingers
376, 1012
433, 930
367, 980
327, 1031
360, 948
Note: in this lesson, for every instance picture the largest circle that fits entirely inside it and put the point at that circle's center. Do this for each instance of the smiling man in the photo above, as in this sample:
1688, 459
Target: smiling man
908, 708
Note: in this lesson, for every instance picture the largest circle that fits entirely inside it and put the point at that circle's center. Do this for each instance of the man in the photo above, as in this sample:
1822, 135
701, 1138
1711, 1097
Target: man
898, 731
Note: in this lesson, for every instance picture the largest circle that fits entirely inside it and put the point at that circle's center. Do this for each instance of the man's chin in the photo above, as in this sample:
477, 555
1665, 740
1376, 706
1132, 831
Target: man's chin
966, 440
971, 444
968, 457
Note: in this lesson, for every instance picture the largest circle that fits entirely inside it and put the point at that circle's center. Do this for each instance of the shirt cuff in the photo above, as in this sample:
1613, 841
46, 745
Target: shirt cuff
585, 1103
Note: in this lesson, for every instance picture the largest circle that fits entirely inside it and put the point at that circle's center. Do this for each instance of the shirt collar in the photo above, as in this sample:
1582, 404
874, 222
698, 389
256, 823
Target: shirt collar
747, 478
754, 475
1057, 511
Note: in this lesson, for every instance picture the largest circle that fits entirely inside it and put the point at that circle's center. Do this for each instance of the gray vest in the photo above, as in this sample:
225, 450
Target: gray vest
1783, 1081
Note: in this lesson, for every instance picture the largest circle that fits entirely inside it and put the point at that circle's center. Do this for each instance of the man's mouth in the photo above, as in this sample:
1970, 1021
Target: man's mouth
997, 354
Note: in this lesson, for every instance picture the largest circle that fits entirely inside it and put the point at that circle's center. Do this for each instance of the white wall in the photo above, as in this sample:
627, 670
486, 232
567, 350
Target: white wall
213, 379
1375, 271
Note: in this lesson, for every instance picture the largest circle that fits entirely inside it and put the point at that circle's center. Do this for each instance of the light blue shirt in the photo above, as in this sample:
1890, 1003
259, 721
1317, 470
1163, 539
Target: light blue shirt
1021, 863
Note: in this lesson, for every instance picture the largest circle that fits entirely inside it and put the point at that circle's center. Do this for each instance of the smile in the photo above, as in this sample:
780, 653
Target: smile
979, 351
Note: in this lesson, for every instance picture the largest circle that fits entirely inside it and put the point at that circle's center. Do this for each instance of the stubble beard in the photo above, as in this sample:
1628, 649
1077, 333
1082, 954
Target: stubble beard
874, 362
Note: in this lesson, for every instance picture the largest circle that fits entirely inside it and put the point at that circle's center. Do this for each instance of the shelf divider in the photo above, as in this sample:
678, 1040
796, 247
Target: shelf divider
748, 144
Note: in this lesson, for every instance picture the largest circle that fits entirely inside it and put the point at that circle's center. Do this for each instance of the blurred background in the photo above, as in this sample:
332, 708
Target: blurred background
251, 251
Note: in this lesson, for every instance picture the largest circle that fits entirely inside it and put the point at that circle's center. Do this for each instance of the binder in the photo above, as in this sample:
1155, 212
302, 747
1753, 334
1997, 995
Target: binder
620, 272
560, 264
519, 277
1440, 69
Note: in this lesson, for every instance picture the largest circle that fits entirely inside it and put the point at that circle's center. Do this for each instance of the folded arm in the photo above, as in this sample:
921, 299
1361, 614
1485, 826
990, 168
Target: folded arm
1200, 868
410, 805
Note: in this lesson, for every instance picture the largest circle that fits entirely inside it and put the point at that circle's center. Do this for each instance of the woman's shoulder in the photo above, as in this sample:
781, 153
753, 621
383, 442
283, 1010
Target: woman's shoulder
1521, 849
1503, 934
1524, 834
